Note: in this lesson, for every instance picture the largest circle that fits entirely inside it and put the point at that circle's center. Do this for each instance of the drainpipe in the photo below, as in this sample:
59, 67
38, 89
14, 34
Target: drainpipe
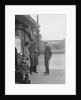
37, 19
38, 33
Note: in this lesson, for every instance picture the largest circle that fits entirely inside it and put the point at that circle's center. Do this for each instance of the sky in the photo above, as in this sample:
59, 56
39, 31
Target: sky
52, 27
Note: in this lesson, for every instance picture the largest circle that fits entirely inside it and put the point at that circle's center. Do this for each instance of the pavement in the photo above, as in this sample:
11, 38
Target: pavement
57, 71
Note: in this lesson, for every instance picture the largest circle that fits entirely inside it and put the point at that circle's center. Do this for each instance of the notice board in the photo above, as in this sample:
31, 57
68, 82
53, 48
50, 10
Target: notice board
18, 44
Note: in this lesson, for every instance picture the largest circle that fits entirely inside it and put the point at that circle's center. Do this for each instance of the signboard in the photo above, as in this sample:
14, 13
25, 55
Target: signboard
18, 44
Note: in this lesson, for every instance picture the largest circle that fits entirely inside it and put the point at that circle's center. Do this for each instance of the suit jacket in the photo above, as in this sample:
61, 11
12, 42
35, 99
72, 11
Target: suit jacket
47, 52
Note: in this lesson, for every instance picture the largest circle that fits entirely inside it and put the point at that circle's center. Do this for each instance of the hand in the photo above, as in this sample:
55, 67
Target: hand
27, 58
23, 77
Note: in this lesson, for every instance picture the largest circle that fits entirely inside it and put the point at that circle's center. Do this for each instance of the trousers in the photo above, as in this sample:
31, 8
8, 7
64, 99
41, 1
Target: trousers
47, 65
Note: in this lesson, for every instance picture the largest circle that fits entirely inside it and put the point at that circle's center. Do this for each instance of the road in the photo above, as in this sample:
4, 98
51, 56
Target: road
57, 71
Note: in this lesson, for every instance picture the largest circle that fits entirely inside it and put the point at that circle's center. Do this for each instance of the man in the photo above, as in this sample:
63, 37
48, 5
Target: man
35, 57
47, 56
31, 50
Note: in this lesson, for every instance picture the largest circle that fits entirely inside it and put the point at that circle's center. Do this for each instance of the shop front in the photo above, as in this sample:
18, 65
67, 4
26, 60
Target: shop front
23, 33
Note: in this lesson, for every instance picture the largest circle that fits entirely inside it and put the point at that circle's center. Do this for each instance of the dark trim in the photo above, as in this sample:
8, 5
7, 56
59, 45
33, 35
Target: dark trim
27, 20
28, 34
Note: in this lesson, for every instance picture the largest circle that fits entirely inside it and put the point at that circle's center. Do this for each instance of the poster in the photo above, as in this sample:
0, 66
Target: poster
18, 44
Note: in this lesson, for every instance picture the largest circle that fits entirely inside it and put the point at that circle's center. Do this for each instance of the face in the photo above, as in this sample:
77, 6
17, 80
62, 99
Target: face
27, 45
46, 44
35, 43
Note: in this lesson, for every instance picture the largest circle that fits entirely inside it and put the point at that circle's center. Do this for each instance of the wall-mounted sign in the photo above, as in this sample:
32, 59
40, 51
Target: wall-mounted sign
18, 44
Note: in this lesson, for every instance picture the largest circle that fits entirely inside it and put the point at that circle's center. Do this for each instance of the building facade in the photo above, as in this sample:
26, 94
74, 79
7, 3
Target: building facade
26, 30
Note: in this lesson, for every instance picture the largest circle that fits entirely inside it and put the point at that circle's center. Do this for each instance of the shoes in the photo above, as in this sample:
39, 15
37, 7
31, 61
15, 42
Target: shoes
45, 73
36, 72
30, 73
23, 77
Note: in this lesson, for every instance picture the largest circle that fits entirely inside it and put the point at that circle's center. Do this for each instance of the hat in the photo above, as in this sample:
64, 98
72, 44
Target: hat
35, 42
45, 42
26, 43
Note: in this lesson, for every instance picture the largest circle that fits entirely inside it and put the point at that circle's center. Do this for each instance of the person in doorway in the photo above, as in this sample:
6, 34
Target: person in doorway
47, 56
27, 54
27, 58
16, 64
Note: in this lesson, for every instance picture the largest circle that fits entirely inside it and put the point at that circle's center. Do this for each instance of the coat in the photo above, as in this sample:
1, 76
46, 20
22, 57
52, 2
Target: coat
35, 57
27, 55
47, 53
31, 50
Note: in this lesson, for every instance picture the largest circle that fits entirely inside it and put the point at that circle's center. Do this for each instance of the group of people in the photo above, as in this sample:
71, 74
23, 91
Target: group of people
30, 57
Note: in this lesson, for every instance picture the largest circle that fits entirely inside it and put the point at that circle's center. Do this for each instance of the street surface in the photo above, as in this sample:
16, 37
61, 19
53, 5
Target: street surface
57, 71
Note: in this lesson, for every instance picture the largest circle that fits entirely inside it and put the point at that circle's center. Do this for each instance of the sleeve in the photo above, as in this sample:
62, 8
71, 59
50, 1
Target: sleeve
25, 52
45, 51
50, 51
16, 50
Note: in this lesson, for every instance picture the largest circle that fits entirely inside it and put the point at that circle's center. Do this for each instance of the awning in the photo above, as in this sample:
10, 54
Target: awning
26, 32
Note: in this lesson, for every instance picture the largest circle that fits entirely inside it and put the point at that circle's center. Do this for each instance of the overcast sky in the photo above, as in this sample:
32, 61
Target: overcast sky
52, 26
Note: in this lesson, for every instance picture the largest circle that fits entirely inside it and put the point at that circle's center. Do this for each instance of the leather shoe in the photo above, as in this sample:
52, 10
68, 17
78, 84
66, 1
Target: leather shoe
46, 74
36, 72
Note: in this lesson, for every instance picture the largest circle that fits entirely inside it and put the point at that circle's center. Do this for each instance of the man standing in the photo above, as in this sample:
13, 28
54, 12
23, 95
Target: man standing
47, 56
35, 57
31, 50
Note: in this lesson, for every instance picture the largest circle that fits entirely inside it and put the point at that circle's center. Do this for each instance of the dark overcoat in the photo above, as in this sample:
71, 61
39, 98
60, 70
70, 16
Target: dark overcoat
31, 50
35, 57
47, 53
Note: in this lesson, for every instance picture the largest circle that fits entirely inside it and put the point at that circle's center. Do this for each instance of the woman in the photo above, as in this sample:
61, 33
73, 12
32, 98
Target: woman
26, 63
27, 54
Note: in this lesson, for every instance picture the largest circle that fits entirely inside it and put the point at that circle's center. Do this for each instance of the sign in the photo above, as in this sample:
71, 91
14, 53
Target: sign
18, 44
